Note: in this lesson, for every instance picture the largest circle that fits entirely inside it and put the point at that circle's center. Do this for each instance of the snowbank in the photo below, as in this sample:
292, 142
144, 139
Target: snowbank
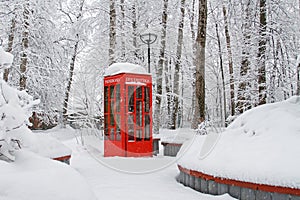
178, 136
118, 68
34, 177
260, 146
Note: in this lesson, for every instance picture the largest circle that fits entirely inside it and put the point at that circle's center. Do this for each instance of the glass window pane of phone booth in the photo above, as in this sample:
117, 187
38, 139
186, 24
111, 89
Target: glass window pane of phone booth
130, 128
147, 99
118, 131
147, 127
131, 98
118, 98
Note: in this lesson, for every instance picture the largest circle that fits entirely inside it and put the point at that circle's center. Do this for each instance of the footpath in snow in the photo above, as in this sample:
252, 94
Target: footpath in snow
109, 183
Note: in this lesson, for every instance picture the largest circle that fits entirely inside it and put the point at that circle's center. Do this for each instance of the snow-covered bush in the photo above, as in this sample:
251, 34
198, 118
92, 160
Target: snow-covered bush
15, 110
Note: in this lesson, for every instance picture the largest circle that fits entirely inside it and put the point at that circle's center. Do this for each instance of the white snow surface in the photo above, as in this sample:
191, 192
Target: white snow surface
260, 146
118, 68
34, 177
178, 136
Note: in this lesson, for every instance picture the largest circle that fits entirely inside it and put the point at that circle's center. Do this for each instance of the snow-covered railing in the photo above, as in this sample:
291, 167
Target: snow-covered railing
238, 189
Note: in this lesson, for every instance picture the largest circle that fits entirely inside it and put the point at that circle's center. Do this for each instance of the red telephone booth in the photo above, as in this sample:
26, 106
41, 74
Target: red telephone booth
127, 111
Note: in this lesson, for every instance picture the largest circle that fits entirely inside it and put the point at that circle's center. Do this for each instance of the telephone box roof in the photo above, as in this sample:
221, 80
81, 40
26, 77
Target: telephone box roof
119, 68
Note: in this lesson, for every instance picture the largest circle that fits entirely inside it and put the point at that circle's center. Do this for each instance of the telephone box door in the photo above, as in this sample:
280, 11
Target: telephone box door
112, 123
138, 140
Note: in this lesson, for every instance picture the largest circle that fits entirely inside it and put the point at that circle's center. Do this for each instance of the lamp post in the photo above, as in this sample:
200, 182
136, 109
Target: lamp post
148, 38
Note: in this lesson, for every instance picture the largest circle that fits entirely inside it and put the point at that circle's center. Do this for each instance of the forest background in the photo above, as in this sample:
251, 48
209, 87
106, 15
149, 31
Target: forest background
214, 59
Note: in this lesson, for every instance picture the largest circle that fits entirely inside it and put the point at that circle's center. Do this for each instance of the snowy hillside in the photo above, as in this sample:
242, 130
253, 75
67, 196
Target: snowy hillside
260, 146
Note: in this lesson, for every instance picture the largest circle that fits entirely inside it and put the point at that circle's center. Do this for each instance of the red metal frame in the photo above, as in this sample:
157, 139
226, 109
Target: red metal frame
128, 115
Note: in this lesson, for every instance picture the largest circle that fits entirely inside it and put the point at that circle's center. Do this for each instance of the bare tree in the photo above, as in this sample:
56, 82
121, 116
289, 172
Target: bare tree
122, 27
25, 44
112, 32
298, 67
200, 60
10, 44
242, 93
72, 65
178, 65
230, 62
223, 113
159, 73
194, 106
262, 53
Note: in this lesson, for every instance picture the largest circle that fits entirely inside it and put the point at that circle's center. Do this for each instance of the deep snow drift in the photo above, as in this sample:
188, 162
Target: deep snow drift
260, 146
34, 177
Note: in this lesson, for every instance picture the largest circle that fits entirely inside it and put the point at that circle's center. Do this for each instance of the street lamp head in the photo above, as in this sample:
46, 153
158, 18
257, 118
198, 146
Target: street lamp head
148, 38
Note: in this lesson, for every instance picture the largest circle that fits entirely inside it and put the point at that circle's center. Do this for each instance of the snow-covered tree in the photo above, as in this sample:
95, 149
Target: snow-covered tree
15, 109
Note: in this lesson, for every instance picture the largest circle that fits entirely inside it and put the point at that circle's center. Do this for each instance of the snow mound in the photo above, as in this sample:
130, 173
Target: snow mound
260, 146
118, 68
34, 177
277, 118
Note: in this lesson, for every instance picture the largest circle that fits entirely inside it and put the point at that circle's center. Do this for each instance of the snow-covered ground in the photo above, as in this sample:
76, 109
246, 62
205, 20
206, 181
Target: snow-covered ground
91, 176
260, 146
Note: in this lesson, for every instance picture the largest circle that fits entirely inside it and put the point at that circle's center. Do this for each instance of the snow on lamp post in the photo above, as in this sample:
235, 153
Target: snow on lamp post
148, 38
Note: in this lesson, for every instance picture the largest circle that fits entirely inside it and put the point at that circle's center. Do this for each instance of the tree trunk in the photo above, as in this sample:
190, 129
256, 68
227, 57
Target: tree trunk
242, 96
25, 44
168, 90
272, 87
194, 107
68, 90
200, 60
122, 27
178, 67
135, 33
298, 78
10, 45
112, 32
72, 67
159, 74
298, 67
224, 115
230, 62
262, 53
